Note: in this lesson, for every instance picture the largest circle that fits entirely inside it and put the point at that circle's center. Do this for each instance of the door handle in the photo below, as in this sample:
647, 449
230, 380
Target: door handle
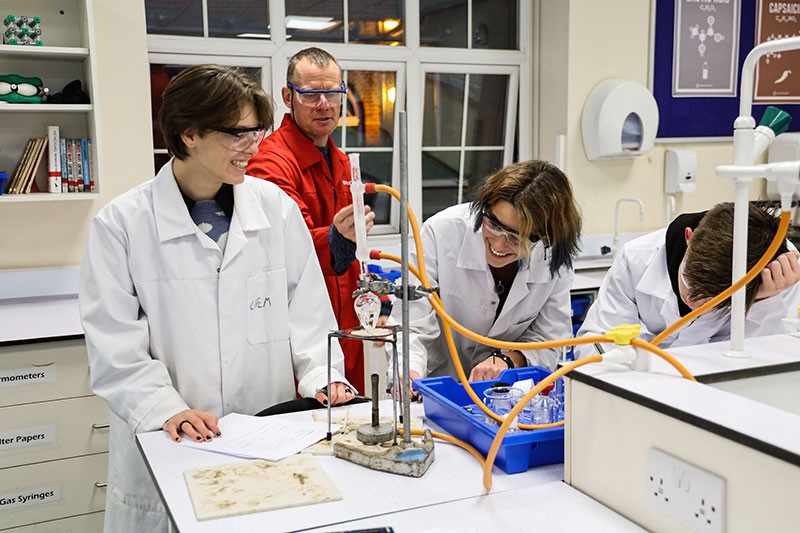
100, 484
101, 426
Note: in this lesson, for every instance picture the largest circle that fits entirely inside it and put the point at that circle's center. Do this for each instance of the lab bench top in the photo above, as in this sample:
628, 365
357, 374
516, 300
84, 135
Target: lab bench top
451, 489
754, 424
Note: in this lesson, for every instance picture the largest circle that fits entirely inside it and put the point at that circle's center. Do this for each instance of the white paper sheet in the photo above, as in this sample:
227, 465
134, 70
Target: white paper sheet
252, 437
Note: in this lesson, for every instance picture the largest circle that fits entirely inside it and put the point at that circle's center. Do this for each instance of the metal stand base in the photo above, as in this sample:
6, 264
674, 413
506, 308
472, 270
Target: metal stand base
407, 459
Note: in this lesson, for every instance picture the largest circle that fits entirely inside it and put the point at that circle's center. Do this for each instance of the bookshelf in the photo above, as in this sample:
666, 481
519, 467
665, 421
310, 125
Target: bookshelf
67, 55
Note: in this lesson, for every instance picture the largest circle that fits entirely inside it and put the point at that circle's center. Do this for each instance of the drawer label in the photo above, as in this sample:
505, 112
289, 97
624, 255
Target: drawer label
27, 437
24, 498
29, 375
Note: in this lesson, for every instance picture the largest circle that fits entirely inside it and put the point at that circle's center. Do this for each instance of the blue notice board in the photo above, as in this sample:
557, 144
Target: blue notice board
700, 117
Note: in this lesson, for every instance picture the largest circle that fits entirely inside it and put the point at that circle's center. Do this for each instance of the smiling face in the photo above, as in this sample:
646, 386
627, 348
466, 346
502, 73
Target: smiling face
499, 252
317, 121
211, 163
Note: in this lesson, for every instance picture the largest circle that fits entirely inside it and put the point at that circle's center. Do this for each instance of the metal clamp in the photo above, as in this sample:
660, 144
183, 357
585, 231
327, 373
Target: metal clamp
100, 484
101, 426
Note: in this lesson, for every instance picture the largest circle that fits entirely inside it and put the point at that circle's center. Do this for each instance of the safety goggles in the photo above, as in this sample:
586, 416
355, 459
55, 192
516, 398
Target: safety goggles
312, 97
240, 139
495, 228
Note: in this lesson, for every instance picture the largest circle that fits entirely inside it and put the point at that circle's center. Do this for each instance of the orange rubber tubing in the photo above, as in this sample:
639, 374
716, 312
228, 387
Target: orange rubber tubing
755, 271
490, 457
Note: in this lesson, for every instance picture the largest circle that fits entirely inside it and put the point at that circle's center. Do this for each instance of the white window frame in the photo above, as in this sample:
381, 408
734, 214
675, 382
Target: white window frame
228, 61
511, 115
416, 59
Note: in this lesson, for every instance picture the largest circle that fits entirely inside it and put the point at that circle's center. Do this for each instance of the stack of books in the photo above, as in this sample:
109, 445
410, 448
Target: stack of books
70, 167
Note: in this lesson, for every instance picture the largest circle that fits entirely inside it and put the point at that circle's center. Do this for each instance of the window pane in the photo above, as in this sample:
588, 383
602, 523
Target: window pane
444, 107
477, 166
313, 20
494, 24
174, 17
439, 181
370, 108
376, 22
376, 167
443, 23
238, 18
486, 110
159, 78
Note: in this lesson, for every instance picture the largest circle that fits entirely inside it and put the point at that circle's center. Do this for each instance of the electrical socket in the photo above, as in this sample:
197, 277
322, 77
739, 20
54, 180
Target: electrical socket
690, 495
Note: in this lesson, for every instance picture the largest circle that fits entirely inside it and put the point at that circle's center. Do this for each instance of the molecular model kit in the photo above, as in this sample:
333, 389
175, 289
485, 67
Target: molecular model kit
22, 30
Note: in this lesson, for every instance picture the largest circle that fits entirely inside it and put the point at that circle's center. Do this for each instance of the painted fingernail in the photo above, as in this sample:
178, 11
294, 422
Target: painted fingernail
177, 439
324, 402
209, 437
218, 433
198, 437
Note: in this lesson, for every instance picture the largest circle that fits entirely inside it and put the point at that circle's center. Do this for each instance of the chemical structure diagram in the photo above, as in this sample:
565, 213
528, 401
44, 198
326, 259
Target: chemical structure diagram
775, 55
695, 31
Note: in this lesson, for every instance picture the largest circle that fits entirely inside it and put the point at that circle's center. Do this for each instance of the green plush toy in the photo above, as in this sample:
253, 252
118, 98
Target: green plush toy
17, 89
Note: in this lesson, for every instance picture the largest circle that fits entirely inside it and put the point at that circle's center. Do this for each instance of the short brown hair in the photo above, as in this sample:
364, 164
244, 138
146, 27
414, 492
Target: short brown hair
542, 197
204, 97
316, 56
708, 258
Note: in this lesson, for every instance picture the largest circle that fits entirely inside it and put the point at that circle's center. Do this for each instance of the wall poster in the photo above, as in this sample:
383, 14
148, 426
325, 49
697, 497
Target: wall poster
705, 47
777, 74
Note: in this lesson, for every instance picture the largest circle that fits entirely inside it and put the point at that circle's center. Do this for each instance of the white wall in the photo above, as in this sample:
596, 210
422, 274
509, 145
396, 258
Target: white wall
610, 39
49, 234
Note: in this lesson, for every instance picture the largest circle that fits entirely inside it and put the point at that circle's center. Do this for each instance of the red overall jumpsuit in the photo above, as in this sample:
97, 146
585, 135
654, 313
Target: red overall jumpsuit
291, 160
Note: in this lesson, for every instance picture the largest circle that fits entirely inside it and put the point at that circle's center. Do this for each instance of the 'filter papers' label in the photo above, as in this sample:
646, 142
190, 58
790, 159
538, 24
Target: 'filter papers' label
27, 437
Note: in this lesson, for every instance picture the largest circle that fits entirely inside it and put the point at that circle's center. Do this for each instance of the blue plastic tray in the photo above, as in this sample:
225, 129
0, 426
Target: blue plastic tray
444, 401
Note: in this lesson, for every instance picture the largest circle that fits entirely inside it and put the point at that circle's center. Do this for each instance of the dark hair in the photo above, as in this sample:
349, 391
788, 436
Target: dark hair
316, 56
542, 197
708, 258
204, 97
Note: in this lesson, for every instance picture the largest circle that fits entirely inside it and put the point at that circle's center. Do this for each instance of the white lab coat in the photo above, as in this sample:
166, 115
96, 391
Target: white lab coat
172, 323
637, 290
537, 307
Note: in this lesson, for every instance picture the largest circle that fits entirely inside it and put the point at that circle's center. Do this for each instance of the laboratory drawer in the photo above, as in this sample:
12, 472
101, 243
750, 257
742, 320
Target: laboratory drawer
52, 490
43, 371
47, 431
88, 523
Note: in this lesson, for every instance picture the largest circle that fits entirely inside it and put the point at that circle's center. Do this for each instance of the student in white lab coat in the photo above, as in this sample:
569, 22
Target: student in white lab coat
662, 276
503, 265
201, 294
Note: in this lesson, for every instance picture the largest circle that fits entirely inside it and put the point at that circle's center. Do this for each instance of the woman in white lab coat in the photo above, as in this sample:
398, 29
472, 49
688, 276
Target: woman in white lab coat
201, 294
503, 265
660, 277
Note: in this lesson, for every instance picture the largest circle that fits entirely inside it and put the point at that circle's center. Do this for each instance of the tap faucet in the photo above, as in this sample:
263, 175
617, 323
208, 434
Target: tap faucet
615, 243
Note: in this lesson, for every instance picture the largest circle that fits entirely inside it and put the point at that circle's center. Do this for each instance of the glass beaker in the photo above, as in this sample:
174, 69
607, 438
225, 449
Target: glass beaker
502, 399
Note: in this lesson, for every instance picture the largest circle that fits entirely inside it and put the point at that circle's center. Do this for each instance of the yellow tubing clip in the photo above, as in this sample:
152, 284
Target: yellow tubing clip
624, 334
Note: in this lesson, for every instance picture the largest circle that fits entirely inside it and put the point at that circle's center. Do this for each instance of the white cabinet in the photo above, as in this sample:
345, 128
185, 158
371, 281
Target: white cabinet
53, 438
67, 55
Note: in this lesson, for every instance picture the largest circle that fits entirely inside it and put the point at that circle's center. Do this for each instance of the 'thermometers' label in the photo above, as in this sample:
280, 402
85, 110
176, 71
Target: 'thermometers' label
29, 375
23, 438
27, 497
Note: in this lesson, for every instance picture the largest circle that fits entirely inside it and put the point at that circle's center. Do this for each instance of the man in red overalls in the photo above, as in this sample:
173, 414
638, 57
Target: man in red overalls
301, 158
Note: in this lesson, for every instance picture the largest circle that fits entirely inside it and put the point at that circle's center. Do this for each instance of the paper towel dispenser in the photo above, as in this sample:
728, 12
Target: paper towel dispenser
619, 120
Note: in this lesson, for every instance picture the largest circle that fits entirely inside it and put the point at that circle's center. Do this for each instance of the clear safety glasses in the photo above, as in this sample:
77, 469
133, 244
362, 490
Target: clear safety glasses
240, 139
495, 228
312, 97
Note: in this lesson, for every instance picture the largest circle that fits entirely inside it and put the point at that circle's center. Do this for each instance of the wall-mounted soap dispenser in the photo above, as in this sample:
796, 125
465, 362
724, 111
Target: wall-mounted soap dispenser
619, 120
680, 170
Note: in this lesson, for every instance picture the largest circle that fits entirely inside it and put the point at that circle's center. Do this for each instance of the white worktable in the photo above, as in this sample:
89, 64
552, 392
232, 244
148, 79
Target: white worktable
455, 476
